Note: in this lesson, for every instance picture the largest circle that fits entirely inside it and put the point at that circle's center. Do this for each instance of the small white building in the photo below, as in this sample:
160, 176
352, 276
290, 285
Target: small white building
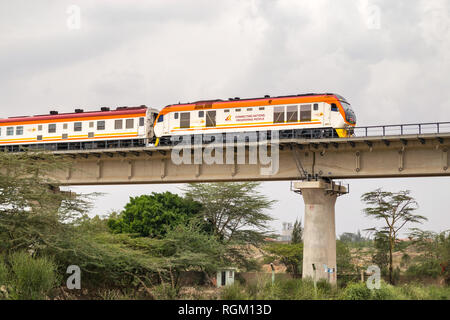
225, 277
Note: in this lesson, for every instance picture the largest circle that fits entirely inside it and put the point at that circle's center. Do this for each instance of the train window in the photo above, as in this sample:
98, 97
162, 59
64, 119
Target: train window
101, 125
201, 114
226, 110
249, 109
161, 118
65, 136
40, 127
305, 112
278, 115
316, 106
292, 113
118, 124
238, 110
175, 115
211, 118
130, 123
77, 126
10, 131
141, 122
185, 120
19, 131
52, 128
39, 138
65, 126
261, 108
334, 107
91, 124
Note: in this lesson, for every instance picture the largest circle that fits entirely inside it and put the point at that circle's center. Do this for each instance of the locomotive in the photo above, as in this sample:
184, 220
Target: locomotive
295, 116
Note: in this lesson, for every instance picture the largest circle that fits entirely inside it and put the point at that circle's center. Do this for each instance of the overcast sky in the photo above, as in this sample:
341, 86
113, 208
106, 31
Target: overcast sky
390, 59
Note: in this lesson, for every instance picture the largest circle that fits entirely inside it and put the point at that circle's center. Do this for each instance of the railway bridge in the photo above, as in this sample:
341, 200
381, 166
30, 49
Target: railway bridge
394, 151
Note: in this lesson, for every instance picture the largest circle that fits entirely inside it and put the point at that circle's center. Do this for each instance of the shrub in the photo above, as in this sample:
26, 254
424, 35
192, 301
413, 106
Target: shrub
234, 292
31, 278
429, 268
307, 291
165, 292
386, 292
356, 291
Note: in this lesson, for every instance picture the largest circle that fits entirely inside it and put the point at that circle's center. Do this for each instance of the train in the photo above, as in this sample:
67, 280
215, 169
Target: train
314, 115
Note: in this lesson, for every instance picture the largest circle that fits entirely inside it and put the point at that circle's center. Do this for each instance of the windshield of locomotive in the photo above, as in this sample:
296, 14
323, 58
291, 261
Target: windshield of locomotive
350, 116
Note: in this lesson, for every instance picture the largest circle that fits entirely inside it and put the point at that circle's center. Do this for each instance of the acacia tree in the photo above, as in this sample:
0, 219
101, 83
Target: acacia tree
396, 210
289, 254
235, 211
434, 257
33, 210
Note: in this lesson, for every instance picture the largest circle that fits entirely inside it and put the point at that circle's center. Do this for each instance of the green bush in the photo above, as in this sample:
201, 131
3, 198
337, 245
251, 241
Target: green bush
306, 290
386, 292
356, 291
31, 278
429, 268
234, 292
165, 292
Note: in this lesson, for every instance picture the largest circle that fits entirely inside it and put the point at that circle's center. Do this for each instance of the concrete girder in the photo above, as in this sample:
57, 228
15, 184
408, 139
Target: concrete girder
382, 157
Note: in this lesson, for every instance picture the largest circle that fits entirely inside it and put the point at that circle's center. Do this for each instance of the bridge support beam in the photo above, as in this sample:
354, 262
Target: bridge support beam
319, 234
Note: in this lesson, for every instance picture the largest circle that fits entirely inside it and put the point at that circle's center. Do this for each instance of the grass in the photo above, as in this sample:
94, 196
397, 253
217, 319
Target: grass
304, 290
30, 278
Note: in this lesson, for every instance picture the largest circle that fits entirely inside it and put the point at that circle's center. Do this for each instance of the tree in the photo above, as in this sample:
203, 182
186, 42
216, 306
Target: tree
236, 211
381, 254
434, 257
396, 210
297, 232
152, 215
352, 237
343, 259
125, 260
189, 247
291, 255
34, 212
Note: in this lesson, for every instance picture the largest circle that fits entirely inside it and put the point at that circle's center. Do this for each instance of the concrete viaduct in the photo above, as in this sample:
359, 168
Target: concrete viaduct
314, 163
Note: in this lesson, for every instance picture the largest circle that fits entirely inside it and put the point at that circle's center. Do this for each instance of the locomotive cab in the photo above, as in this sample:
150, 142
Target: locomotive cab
343, 117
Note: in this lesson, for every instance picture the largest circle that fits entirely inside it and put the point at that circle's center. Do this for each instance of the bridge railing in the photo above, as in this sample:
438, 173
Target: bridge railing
402, 129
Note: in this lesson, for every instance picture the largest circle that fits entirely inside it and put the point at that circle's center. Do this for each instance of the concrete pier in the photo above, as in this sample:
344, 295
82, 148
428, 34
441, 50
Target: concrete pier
319, 234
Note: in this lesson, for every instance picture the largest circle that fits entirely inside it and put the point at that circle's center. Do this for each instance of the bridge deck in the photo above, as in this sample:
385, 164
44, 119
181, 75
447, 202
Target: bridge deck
408, 155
